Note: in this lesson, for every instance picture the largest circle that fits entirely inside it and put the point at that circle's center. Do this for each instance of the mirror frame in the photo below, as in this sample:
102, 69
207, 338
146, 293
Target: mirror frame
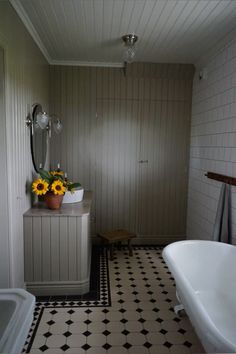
36, 108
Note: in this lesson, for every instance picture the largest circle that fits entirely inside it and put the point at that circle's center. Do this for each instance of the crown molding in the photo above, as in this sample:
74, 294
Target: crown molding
87, 63
31, 29
28, 24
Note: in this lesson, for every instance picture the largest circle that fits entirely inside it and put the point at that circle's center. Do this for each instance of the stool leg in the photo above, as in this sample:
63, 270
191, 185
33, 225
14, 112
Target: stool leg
111, 251
130, 248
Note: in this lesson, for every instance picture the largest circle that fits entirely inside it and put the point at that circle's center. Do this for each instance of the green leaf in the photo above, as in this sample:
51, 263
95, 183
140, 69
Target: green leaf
73, 186
45, 174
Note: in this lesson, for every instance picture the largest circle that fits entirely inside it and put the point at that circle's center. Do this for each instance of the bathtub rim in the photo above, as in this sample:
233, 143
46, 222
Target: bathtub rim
196, 305
17, 329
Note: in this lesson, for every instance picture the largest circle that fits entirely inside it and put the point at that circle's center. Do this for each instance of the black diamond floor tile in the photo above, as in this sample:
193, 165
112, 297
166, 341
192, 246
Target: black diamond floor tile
107, 346
65, 347
127, 345
43, 348
142, 286
86, 346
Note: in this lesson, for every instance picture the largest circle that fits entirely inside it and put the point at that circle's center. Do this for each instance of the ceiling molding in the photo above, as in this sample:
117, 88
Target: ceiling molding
28, 24
86, 63
172, 31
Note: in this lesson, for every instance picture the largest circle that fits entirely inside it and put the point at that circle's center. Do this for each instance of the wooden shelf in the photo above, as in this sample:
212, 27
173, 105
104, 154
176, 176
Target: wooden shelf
221, 178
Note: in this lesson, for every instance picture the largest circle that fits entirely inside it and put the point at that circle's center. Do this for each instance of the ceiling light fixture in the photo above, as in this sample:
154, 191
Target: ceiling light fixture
130, 50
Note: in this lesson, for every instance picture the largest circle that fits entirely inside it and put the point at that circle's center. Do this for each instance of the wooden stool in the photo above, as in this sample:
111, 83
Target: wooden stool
111, 237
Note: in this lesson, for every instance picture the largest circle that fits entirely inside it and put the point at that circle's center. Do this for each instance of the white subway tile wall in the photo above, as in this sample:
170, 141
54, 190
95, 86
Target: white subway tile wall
213, 141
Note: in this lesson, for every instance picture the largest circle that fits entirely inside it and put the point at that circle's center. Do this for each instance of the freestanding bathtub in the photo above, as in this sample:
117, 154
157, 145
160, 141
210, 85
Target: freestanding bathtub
205, 276
16, 315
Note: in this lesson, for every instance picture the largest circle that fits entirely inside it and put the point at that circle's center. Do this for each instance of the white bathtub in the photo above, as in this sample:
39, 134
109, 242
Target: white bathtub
16, 315
205, 276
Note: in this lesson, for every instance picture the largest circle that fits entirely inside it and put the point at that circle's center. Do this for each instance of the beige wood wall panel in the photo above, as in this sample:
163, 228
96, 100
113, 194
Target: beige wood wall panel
112, 121
37, 248
84, 246
57, 254
80, 250
27, 81
64, 246
46, 247
117, 163
72, 249
28, 248
55, 248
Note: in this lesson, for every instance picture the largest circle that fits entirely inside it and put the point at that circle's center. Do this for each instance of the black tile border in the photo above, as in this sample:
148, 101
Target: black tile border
33, 331
99, 296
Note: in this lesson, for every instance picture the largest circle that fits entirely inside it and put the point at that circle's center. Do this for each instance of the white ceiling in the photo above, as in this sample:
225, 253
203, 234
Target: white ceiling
82, 31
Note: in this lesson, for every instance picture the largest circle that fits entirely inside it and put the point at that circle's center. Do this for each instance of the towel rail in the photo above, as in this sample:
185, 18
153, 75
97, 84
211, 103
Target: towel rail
221, 178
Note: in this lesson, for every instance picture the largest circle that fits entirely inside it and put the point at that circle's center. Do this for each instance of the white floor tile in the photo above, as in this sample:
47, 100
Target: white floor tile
140, 320
56, 341
76, 340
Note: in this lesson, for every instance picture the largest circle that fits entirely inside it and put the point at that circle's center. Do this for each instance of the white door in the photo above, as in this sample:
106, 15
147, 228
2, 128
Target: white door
4, 237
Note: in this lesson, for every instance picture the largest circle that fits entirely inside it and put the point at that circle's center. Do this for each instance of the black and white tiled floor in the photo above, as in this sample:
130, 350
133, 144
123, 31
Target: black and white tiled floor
139, 320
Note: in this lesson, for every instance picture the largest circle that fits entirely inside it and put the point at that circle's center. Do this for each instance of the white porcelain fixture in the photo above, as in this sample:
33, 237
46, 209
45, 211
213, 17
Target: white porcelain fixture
16, 316
205, 277
75, 197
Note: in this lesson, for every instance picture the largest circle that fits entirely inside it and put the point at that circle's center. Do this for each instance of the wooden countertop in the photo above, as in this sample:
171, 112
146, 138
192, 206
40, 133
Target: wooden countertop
73, 209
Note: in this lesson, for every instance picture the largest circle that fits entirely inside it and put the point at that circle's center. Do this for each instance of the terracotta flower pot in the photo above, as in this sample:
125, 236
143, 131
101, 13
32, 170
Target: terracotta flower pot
53, 201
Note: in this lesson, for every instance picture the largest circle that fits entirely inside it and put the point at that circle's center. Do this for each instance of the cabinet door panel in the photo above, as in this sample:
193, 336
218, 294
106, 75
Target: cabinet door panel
117, 149
163, 179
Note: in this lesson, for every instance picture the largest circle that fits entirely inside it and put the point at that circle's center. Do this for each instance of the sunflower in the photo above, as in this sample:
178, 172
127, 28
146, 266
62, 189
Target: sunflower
57, 187
40, 186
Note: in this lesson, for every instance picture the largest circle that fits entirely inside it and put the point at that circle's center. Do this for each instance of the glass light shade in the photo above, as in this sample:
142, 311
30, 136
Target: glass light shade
57, 126
42, 120
129, 54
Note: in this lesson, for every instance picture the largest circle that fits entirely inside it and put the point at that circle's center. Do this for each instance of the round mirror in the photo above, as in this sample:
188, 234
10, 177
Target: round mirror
38, 137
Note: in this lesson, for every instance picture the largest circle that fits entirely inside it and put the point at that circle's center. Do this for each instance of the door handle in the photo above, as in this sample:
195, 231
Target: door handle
143, 161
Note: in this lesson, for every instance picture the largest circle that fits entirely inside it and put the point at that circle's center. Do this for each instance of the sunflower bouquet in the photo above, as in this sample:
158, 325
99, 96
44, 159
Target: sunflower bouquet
52, 182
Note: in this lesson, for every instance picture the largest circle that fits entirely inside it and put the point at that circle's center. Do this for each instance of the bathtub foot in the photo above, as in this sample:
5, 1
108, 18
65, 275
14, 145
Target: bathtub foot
178, 308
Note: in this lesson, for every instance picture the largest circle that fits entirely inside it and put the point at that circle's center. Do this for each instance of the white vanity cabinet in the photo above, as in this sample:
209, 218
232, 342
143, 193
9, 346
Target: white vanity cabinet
57, 248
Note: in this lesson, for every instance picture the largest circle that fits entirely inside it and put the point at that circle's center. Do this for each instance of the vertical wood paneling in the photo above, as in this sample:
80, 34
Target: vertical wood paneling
4, 232
72, 248
117, 168
84, 246
26, 74
46, 247
63, 242
28, 248
37, 248
112, 121
91, 30
55, 248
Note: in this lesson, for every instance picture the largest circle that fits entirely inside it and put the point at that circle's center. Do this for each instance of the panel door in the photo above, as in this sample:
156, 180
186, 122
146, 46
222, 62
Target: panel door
162, 188
117, 149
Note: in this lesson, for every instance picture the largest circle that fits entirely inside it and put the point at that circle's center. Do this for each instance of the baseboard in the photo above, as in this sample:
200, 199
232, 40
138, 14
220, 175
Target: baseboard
58, 288
149, 240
